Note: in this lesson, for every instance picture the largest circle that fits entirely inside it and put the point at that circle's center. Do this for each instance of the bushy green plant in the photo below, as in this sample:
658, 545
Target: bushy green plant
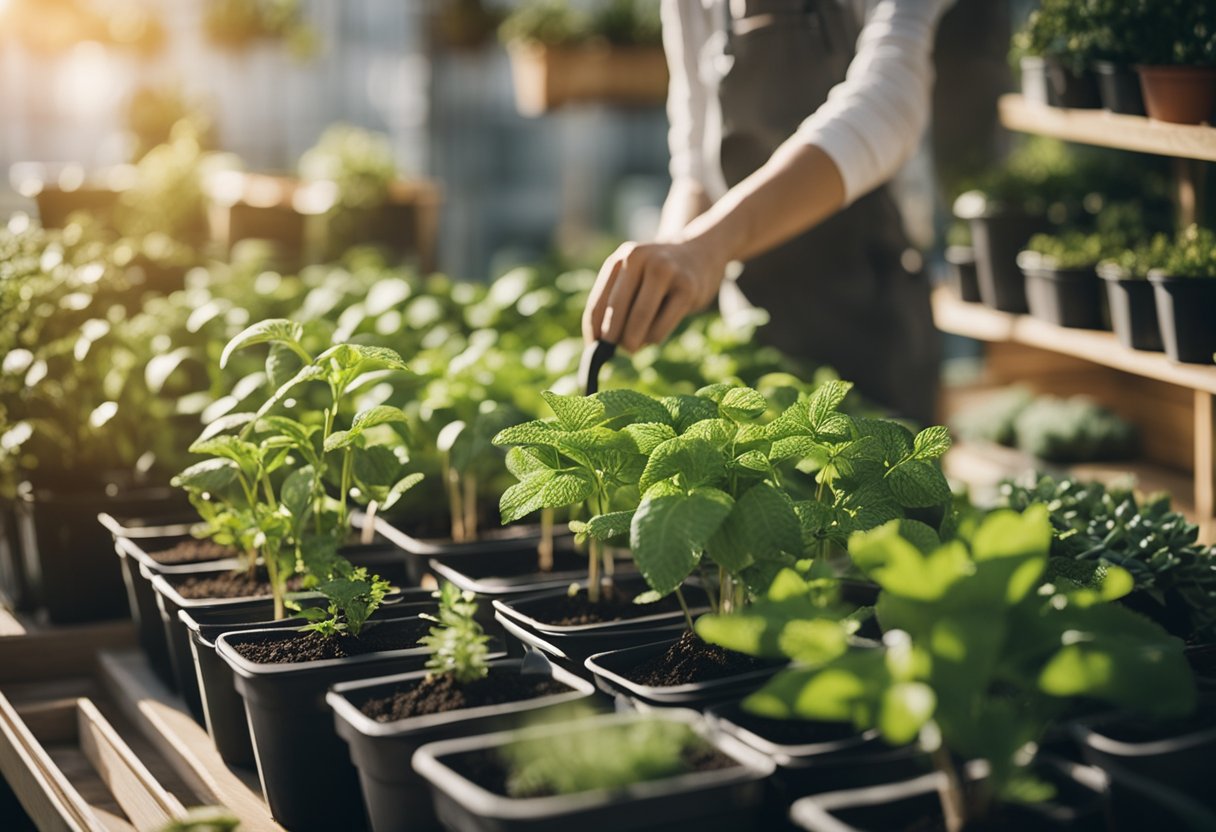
1093, 524
1076, 429
585, 758
459, 646
1068, 250
1192, 254
238, 23
558, 23
1060, 30
978, 657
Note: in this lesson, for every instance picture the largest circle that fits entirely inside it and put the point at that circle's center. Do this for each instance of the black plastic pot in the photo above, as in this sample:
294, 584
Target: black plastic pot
1202, 659
396, 798
222, 707
1135, 803
963, 276
1064, 297
14, 589
1119, 88
839, 758
1179, 757
67, 555
384, 559
1186, 309
136, 542
726, 800
572, 645
893, 807
1047, 81
997, 236
484, 576
609, 670
1133, 310
306, 774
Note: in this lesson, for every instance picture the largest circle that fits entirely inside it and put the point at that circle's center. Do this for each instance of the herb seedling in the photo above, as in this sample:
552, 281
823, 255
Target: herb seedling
458, 644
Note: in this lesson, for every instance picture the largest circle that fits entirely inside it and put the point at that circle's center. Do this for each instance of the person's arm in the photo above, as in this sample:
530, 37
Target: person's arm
858, 139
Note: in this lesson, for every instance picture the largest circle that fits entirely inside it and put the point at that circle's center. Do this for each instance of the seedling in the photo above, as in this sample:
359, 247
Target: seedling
458, 644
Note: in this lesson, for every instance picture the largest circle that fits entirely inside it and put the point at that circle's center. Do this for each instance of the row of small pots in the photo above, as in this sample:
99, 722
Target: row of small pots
1176, 94
299, 714
1170, 313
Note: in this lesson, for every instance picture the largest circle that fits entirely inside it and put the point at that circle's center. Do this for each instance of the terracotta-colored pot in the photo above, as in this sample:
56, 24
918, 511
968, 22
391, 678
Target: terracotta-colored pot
1179, 94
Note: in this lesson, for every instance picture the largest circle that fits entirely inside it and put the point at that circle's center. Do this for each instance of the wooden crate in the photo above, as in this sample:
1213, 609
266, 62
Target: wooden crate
550, 77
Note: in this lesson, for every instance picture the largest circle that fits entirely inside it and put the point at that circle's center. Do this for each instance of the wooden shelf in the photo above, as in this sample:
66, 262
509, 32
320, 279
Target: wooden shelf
977, 321
1104, 129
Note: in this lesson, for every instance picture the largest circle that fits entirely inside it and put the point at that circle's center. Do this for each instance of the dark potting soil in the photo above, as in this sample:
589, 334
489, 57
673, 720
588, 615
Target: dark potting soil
614, 605
240, 584
312, 647
487, 769
790, 731
442, 693
691, 660
193, 551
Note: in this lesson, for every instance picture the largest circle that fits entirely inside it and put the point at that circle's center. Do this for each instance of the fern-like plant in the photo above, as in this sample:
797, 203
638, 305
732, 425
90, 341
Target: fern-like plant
458, 644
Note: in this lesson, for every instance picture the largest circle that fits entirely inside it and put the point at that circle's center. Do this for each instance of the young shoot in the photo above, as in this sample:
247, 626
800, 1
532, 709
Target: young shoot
352, 598
458, 644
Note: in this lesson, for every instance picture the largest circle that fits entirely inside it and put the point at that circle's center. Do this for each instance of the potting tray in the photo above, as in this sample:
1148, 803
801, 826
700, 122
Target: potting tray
91, 740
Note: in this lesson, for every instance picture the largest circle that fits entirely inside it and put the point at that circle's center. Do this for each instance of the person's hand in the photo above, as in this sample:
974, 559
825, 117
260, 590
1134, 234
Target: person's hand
644, 290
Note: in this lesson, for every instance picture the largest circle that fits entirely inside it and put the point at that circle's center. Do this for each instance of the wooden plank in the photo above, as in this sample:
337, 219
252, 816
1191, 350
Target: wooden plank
10, 624
1205, 461
56, 652
44, 793
162, 718
143, 800
1104, 129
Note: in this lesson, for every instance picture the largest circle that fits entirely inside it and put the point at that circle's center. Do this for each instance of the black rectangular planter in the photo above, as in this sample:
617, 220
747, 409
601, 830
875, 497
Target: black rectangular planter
1064, 297
963, 275
1186, 309
14, 588
396, 798
726, 800
1133, 310
998, 236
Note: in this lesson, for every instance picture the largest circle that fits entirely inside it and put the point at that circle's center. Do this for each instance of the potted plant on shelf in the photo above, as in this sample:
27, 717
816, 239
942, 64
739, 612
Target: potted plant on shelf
1130, 297
1176, 60
237, 24
1184, 285
979, 658
960, 255
614, 772
1114, 32
461, 692
1052, 51
1061, 279
563, 55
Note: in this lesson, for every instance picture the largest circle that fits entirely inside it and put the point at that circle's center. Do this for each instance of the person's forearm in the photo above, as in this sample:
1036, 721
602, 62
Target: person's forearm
796, 189
686, 200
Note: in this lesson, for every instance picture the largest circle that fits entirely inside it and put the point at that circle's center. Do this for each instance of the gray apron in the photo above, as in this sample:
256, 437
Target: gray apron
839, 294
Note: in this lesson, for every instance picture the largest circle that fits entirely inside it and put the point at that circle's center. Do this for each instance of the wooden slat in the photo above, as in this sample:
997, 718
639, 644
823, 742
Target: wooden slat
143, 800
44, 793
1205, 461
1098, 127
56, 652
10, 624
162, 718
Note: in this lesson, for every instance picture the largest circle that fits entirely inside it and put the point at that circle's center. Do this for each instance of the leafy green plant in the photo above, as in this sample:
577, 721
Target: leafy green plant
1069, 250
978, 657
1093, 524
300, 524
459, 646
238, 23
1193, 254
1076, 429
1060, 30
600, 757
558, 23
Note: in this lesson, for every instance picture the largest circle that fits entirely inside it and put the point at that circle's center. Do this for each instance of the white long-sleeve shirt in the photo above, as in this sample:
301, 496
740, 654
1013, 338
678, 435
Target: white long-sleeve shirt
871, 123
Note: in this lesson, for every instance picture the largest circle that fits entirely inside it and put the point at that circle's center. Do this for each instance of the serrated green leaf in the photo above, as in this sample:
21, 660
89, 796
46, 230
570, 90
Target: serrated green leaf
544, 434
752, 463
380, 415
611, 525
718, 432
281, 364
715, 392
223, 424
696, 461
399, 489
522, 461
210, 475
647, 436
822, 410
762, 526
932, 442
642, 408
669, 533
359, 358
576, 412
276, 329
376, 466
918, 484
743, 404
340, 439
297, 491
688, 410
894, 439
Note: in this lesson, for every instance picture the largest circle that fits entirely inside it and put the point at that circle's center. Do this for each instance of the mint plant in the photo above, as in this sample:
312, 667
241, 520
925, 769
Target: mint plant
458, 644
978, 656
283, 468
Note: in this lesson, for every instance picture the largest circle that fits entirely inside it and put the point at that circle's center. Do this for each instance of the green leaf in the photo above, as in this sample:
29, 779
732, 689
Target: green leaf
380, 415
225, 423
282, 363
688, 410
544, 488
210, 475
399, 488
543, 434
669, 533
299, 435
743, 404
717, 432
696, 461
358, 358
611, 525
297, 491
629, 403
376, 466
762, 526
932, 442
522, 461
896, 441
340, 439
822, 411
752, 463
647, 436
904, 710
309, 372
902, 570
273, 330
576, 412
918, 484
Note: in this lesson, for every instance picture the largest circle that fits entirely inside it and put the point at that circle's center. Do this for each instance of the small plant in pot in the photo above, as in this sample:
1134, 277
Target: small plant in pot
656, 771
1114, 33
1184, 285
1130, 297
462, 691
1052, 51
1061, 279
1176, 52
960, 255
979, 658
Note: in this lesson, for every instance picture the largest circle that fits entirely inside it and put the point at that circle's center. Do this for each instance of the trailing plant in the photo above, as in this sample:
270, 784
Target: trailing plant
979, 656
1093, 524
458, 644
299, 524
585, 758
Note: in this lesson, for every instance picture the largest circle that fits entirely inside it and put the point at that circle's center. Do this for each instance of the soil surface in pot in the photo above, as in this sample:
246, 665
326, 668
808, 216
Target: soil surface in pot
313, 647
239, 584
442, 693
790, 731
193, 551
691, 660
614, 605
488, 769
